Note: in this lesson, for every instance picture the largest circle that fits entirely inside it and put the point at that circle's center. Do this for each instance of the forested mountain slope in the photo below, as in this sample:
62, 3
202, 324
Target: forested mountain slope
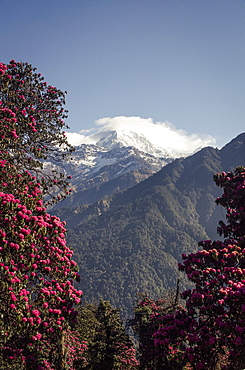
134, 245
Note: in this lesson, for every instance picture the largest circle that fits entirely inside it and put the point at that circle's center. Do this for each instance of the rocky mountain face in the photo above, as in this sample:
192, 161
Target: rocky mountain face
118, 161
132, 242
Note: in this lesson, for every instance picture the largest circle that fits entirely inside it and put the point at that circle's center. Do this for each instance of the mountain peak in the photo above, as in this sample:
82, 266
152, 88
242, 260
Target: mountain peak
161, 138
124, 138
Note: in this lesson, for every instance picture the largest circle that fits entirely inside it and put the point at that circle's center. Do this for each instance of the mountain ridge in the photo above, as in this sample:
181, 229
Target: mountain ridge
135, 243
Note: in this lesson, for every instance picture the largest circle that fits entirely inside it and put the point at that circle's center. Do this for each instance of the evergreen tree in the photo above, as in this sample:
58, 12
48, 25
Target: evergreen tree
109, 347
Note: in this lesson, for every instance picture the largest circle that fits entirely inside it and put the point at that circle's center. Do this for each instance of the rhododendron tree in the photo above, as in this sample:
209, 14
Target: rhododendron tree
32, 122
37, 295
212, 329
149, 315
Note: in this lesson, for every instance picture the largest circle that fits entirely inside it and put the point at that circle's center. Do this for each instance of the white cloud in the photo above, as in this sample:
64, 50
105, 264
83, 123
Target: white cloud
162, 134
75, 138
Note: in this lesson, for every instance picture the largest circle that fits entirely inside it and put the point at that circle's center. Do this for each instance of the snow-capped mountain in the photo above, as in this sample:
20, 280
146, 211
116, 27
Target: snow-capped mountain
123, 138
118, 160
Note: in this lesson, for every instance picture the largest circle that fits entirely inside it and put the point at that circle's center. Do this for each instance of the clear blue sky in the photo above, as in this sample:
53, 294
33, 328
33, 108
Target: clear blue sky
181, 61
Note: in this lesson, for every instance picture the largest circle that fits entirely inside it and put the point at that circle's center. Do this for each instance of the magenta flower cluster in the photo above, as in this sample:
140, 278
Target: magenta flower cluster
3, 69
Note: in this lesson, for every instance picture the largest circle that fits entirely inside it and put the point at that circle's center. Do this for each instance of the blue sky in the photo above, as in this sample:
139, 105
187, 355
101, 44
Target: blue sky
177, 61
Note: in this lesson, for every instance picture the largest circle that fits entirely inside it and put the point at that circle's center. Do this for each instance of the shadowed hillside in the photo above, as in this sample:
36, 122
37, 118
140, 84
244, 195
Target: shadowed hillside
134, 243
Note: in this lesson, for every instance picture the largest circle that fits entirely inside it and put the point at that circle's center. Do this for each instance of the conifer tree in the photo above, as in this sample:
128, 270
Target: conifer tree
109, 347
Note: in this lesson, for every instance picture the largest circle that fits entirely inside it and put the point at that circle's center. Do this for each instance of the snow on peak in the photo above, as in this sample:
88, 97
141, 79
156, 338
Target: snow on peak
123, 138
160, 139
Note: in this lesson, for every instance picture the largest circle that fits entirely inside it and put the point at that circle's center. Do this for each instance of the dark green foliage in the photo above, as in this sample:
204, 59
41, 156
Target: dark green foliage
109, 347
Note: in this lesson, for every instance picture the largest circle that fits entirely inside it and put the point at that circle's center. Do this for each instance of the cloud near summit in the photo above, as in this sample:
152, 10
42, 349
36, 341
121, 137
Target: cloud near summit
162, 134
